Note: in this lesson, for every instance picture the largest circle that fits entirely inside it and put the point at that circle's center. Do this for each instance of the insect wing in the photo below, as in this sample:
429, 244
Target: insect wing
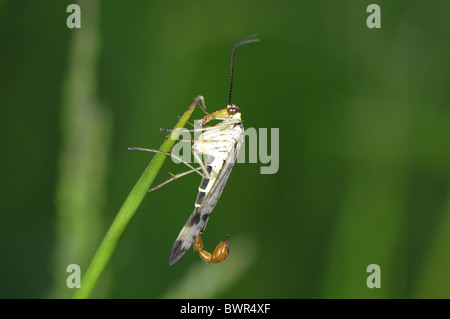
198, 219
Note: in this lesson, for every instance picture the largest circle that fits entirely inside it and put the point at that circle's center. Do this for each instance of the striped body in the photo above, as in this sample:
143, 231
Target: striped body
220, 146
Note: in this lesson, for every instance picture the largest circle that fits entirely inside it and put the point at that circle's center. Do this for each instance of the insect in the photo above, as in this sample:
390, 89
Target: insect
219, 145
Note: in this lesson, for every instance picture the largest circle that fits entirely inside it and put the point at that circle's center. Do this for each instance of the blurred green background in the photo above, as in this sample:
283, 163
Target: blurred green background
363, 114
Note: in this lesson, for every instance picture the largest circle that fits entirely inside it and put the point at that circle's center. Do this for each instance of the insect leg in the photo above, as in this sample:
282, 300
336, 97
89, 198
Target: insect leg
174, 177
168, 154
199, 160
201, 102
195, 130
181, 140
179, 117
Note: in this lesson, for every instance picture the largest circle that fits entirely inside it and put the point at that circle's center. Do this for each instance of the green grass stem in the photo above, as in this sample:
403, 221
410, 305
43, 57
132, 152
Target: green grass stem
127, 211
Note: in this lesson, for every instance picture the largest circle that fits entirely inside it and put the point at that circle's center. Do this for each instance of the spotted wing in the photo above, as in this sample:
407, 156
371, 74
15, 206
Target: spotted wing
206, 201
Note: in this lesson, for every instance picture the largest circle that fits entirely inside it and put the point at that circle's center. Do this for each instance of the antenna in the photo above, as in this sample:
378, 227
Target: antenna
242, 41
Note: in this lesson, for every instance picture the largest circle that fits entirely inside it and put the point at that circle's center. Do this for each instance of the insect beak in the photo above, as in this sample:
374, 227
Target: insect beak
218, 115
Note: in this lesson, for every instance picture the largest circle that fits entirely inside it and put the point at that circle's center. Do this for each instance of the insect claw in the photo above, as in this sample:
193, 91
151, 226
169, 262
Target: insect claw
219, 254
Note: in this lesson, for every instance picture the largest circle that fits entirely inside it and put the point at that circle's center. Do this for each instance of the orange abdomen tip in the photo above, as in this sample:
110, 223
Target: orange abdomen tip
221, 252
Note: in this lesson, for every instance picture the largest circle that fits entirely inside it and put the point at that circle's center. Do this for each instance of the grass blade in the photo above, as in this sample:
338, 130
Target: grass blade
127, 211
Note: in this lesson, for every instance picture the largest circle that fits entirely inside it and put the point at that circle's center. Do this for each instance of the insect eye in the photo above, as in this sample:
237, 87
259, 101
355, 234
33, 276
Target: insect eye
233, 109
